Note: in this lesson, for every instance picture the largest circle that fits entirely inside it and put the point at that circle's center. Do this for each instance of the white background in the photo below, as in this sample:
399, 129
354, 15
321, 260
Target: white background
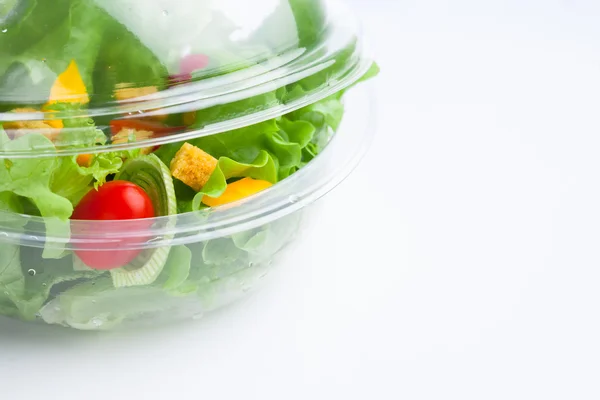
460, 261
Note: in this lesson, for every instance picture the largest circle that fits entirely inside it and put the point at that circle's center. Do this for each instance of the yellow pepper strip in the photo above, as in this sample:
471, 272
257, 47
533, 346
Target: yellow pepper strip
69, 87
84, 160
236, 191
56, 123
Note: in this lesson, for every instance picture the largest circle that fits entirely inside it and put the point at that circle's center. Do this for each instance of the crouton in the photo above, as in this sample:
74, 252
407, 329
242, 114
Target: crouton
193, 166
124, 92
127, 135
19, 128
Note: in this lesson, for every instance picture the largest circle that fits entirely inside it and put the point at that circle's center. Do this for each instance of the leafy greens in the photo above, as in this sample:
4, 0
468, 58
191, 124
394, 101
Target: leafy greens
53, 284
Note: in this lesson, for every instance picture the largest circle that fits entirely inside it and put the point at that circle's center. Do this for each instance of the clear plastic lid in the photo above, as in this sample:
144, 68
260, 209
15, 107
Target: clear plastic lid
166, 69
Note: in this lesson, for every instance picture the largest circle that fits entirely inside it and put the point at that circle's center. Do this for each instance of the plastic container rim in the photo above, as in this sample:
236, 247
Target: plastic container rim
287, 196
286, 68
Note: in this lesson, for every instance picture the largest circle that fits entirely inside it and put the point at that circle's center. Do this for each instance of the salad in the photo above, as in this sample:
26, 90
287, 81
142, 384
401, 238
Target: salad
96, 166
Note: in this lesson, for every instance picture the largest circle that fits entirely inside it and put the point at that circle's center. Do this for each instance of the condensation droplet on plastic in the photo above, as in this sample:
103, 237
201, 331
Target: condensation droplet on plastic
293, 199
97, 322
198, 316
245, 287
43, 60
265, 272
93, 301
4, 234
250, 264
4, 30
32, 272
44, 284
156, 239
56, 308
6, 293
93, 283
165, 13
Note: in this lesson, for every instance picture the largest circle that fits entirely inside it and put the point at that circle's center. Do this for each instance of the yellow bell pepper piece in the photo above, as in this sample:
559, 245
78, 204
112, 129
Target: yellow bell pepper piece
56, 124
69, 87
236, 191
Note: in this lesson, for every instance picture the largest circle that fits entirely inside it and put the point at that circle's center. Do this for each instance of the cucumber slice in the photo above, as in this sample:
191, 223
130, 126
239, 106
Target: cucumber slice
152, 175
98, 305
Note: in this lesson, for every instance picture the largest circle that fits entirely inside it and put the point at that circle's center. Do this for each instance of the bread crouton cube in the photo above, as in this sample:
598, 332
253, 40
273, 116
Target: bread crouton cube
127, 135
124, 92
193, 166
20, 128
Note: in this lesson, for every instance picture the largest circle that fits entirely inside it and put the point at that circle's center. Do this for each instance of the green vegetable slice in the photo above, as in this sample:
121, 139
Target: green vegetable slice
98, 305
154, 177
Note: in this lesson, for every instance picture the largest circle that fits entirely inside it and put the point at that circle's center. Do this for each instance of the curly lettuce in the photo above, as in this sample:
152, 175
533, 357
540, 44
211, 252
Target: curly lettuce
204, 275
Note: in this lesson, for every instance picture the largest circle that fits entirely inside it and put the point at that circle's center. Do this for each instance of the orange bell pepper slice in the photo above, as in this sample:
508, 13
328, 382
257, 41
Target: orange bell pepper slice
84, 160
236, 191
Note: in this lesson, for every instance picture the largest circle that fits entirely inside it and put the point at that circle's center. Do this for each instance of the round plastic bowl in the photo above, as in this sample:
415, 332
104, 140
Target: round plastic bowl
231, 247
111, 90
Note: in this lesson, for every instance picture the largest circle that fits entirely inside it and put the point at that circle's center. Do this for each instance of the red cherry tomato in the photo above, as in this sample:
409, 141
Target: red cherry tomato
193, 62
117, 200
189, 64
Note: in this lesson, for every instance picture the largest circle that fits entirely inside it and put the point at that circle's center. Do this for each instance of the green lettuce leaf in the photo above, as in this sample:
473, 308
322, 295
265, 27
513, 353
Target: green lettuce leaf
27, 23
98, 305
177, 268
269, 151
201, 275
31, 177
263, 168
78, 131
10, 203
72, 181
76, 33
26, 279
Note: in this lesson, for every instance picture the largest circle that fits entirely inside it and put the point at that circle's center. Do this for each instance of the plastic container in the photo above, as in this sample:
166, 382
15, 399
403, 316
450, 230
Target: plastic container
119, 81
